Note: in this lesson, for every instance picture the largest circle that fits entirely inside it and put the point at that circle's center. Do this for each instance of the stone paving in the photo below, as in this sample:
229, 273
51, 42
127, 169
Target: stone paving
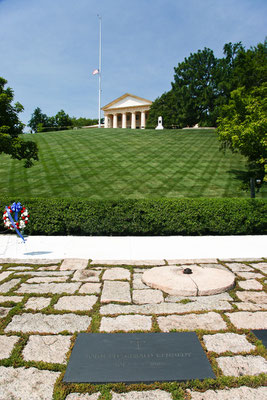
44, 305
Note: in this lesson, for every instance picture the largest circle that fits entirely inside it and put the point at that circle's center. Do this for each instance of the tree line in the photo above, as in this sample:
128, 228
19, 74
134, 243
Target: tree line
41, 122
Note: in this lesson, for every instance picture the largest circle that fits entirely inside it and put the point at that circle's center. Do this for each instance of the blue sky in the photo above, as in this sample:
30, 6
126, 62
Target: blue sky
49, 48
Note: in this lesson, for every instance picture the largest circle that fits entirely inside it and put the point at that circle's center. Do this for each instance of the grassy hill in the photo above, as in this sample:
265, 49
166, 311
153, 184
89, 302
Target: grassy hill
122, 163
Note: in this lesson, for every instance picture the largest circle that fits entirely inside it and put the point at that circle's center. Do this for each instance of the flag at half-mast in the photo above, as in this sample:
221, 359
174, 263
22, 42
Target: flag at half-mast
95, 71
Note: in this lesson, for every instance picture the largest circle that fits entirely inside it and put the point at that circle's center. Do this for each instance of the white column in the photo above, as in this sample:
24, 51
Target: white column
143, 120
133, 124
115, 121
106, 121
124, 120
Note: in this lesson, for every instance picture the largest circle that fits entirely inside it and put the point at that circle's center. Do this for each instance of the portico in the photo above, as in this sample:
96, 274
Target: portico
127, 111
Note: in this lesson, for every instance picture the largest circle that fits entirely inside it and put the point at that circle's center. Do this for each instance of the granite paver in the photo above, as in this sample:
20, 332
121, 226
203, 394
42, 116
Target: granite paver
83, 396
240, 260
4, 275
76, 303
127, 262
219, 266
20, 268
73, 264
26, 383
208, 321
49, 287
250, 275
116, 274
15, 299
116, 291
242, 365
147, 395
47, 279
4, 311
147, 296
222, 342
261, 267
48, 268
7, 344
45, 273
250, 284
164, 308
249, 320
29, 261
255, 297
49, 348
247, 306
48, 323
192, 261
126, 323
238, 267
86, 275
37, 303
5, 287
138, 283
90, 288
240, 393
212, 299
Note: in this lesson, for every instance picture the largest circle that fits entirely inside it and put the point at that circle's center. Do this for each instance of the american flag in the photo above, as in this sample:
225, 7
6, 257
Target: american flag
95, 71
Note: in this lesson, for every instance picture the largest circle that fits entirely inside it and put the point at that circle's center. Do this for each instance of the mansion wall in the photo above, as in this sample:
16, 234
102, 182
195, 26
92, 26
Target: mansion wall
128, 111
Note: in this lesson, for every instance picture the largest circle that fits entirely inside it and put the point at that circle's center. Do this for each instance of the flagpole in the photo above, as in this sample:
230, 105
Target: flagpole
100, 71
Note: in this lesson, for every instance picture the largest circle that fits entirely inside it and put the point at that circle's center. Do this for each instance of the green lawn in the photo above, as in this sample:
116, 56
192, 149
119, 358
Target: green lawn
117, 163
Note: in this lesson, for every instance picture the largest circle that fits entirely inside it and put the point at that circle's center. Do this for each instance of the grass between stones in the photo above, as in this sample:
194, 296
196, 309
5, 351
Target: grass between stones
177, 389
125, 163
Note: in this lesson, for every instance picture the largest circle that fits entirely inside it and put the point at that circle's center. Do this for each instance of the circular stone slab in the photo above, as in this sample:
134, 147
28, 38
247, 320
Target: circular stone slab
203, 281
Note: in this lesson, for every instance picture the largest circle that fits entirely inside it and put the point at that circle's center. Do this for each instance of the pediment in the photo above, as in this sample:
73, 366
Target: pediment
126, 101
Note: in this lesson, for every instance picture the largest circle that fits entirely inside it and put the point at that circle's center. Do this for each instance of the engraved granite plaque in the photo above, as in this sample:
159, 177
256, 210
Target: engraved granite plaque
137, 357
261, 334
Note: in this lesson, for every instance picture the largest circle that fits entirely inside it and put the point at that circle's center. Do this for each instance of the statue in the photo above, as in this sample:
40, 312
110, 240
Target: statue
160, 126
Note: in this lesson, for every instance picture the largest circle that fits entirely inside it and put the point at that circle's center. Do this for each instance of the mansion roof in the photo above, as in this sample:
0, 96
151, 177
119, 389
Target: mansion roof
127, 101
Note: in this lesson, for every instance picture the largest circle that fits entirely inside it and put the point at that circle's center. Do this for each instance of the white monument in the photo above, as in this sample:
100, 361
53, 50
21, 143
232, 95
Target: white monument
160, 126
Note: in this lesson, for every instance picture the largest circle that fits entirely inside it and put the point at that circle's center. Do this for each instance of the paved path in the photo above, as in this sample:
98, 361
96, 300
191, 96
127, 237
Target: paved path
43, 305
133, 248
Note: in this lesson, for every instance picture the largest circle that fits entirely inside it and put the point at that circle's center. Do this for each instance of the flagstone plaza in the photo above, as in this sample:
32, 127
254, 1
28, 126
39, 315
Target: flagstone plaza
45, 303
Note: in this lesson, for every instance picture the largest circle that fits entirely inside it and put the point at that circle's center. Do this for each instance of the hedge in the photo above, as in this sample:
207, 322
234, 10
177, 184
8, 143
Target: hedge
143, 217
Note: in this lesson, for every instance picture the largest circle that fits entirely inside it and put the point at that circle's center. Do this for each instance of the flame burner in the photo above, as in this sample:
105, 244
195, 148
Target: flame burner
187, 271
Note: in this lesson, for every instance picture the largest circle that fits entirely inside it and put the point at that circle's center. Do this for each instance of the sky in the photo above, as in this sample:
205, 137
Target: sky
49, 48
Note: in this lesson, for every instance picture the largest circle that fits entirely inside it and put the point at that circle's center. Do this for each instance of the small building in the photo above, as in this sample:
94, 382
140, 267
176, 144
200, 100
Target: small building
127, 111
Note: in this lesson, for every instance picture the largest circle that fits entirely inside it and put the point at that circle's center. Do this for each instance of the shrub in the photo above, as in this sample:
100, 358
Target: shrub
143, 217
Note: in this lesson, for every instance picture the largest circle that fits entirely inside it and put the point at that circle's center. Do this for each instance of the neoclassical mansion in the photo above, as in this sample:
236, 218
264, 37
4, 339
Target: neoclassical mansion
127, 111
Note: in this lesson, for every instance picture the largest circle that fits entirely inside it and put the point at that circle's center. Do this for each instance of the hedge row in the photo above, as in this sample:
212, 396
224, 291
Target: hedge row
189, 217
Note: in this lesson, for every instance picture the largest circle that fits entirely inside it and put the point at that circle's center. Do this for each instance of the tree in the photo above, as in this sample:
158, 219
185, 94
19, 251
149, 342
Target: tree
195, 88
11, 128
166, 107
82, 121
243, 125
37, 118
250, 67
62, 119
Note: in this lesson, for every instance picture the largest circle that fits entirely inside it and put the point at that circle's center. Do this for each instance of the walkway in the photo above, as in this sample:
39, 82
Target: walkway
43, 304
133, 248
